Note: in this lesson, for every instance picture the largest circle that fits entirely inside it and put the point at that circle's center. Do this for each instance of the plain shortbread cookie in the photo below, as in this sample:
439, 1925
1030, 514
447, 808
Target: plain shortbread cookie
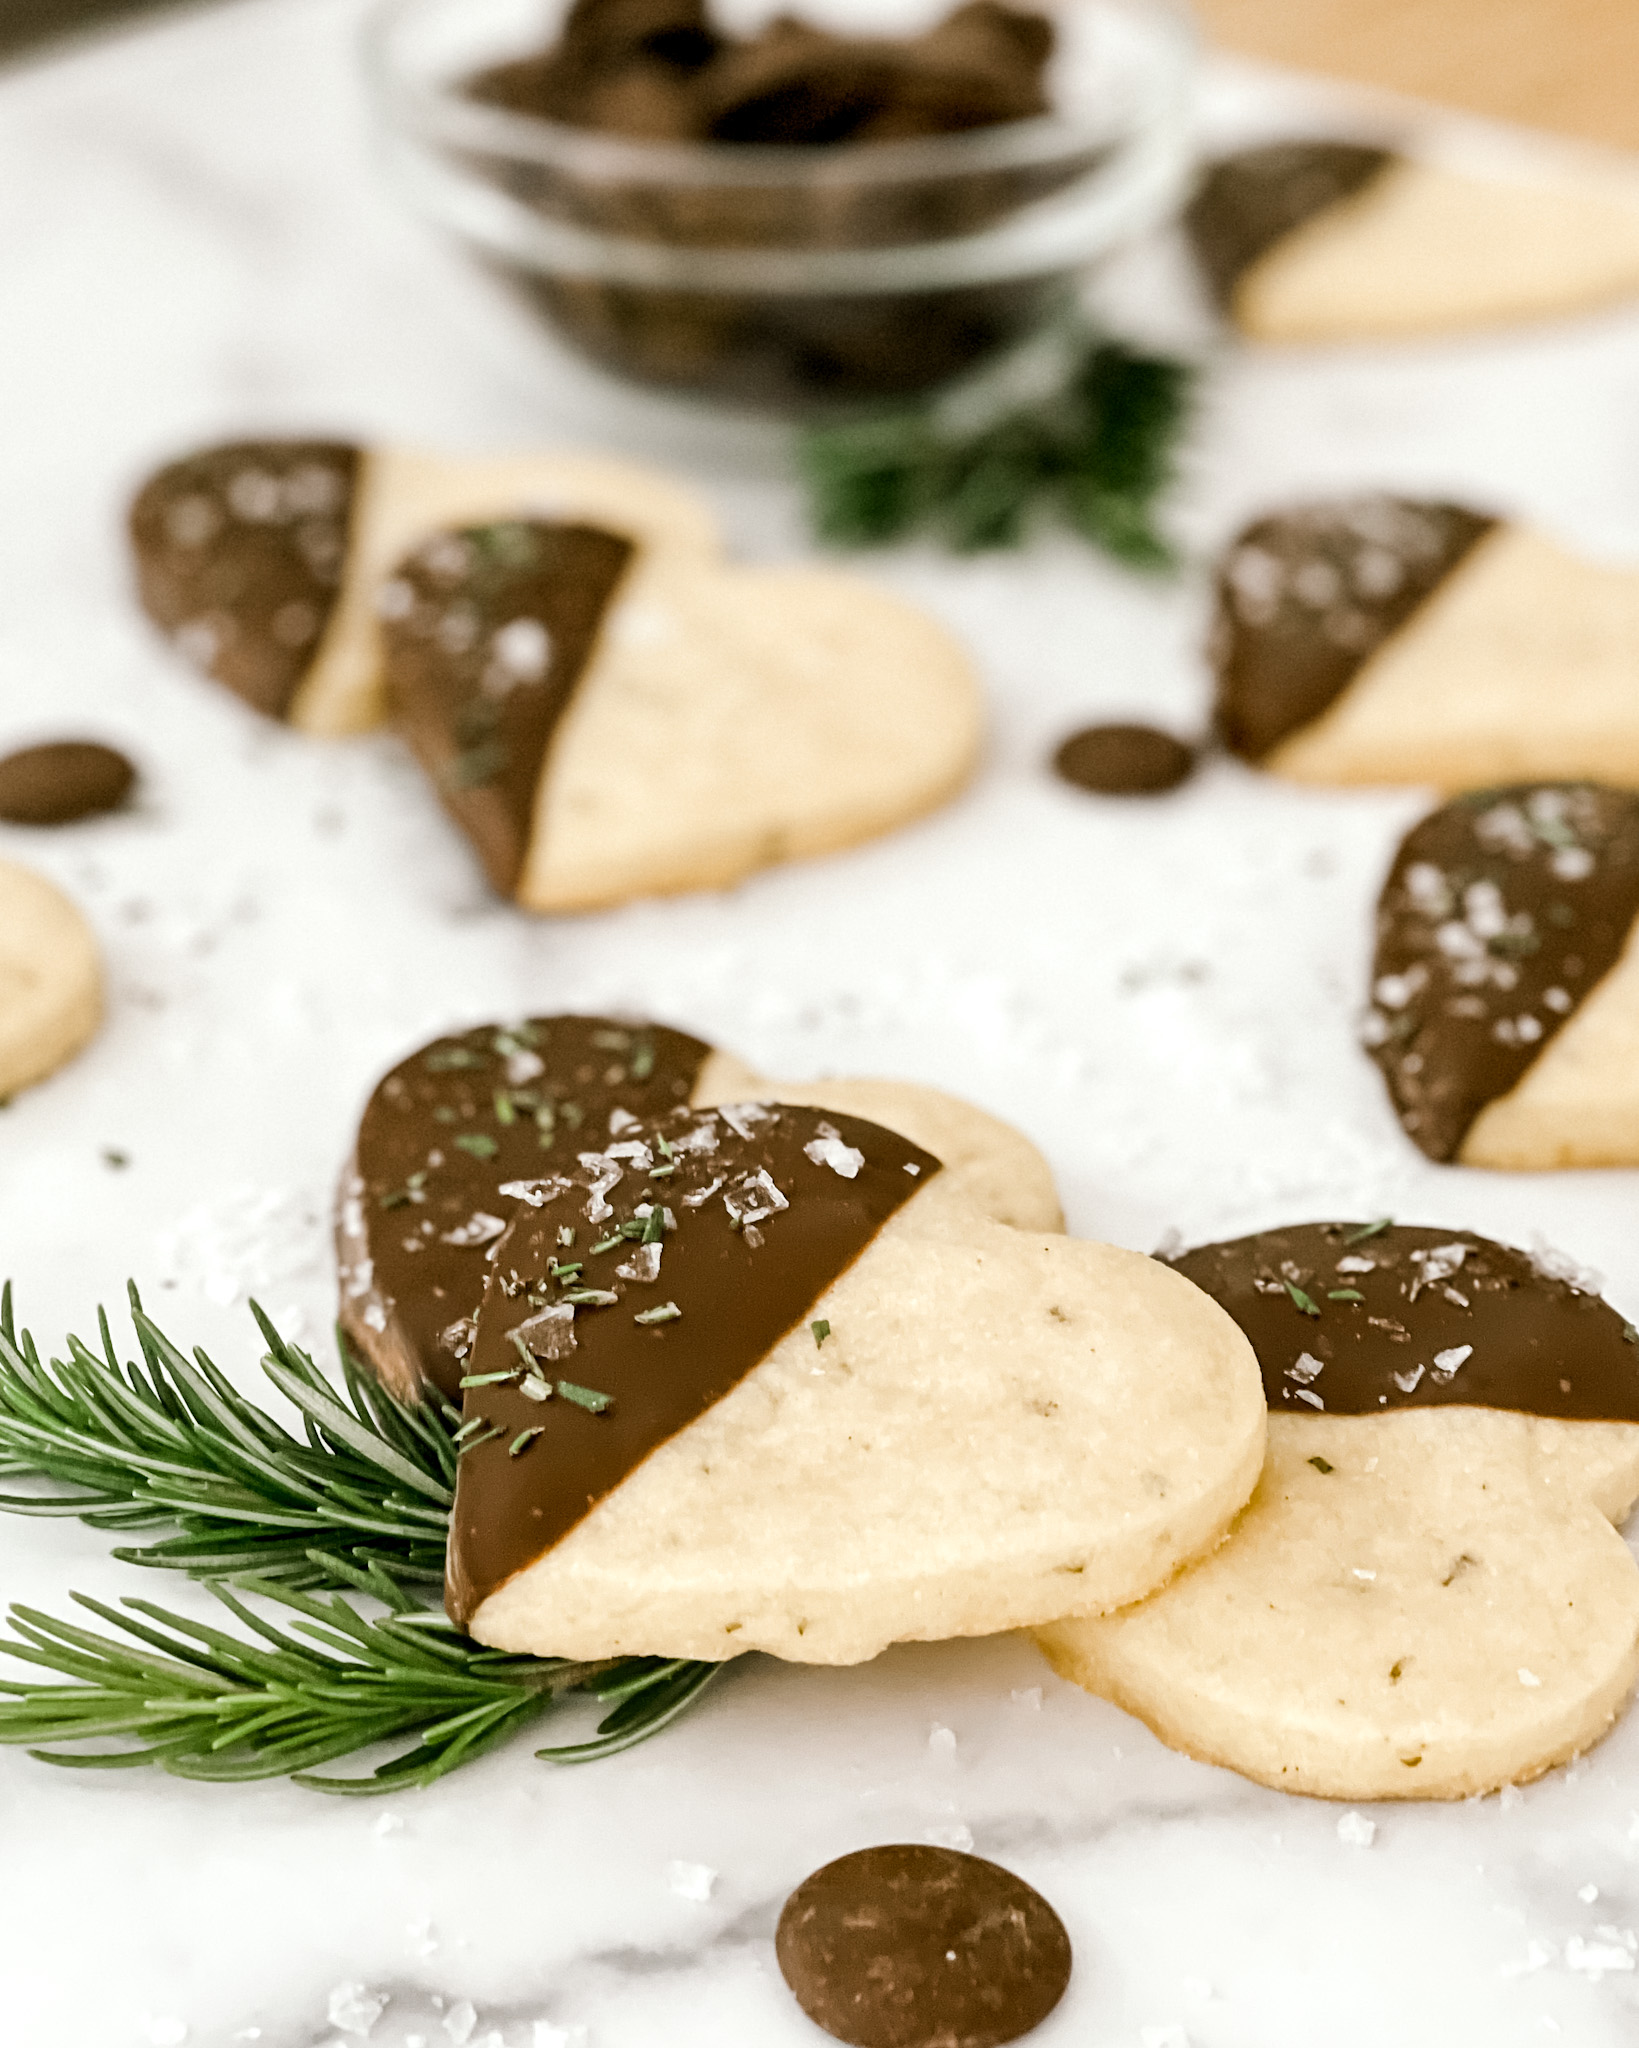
50, 979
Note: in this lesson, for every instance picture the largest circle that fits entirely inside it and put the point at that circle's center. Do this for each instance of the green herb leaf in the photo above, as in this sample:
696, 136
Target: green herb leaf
1321, 1465
1344, 1294
479, 1143
667, 1312
1300, 1300
821, 1329
585, 1397
1370, 1230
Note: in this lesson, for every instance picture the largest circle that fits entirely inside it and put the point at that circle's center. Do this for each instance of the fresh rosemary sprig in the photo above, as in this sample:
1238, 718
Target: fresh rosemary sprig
360, 1507
172, 1441
1085, 427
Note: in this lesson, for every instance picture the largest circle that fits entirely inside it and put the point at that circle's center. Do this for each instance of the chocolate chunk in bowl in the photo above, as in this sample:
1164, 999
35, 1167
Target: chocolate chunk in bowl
799, 220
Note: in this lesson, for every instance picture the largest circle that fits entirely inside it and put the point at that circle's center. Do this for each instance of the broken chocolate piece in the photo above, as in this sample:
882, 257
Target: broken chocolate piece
699, 1240
421, 1203
487, 631
1306, 597
240, 552
1502, 911
1124, 760
63, 781
1252, 200
1353, 1319
909, 1946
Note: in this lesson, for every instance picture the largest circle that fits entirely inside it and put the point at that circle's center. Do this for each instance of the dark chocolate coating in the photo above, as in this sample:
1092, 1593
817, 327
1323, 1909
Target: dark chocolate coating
743, 1267
1124, 760
240, 552
1445, 1319
907, 1946
411, 1228
63, 781
487, 631
1248, 202
1502, 911
1305, 597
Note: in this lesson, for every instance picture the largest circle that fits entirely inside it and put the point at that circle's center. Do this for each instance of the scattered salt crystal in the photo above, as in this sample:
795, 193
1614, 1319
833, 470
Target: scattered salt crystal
643, 1265
829, 1150
459, 2022
621, 1120
956, 1836
1305, 1368
1027, 1696
1354, 1831
546, 2035
1528, 1677
941, 1742
1538, 1955
389, 1824
479, 1228
1447, 1363
550, 1333
1360, 1573
1588, 1894
522, 648
691, 1880
167, 2031
1407, 1381
354, 2009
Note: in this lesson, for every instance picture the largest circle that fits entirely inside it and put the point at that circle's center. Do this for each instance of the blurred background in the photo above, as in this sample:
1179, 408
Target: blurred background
1570, 65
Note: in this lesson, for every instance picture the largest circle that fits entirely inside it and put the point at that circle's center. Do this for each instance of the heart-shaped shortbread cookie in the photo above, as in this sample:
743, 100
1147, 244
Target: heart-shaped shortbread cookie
765, 1377
1383, 639
1505, 988
1425, 1597
450, 1128
262, 559
717, 720
50, 979
1332, 242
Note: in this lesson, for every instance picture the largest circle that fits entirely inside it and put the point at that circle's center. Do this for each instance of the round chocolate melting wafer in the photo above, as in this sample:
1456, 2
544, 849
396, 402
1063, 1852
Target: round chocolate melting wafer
907, 1946
1124, 760
63, 781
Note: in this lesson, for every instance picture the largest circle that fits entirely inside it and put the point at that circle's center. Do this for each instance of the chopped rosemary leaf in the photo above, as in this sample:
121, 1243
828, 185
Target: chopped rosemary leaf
608, 1244
522, 1348
451, 1058
654, 1226
567, 1272
524, 1439
1370, 1230
643, 1061
585, 1397
473, 1442
467, 1428
1630, 1333
491, 1379
1300, 1300
591, 1297
479, 1143
821, 1330
505, 1112
1344, 1294
667, 1312
1321, 1465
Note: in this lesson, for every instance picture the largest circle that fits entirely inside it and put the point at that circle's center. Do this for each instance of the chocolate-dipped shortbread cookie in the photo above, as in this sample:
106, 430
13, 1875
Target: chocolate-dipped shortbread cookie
1382, 639
765, 1377
1426, 1597
603, 733
451, 1133
261, 559
1325, 241
1505, 986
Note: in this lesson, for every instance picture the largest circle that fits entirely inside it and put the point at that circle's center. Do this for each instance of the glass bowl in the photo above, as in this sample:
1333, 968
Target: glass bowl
789, 277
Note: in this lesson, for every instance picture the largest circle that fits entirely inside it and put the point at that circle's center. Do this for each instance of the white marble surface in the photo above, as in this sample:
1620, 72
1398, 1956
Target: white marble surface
193, 243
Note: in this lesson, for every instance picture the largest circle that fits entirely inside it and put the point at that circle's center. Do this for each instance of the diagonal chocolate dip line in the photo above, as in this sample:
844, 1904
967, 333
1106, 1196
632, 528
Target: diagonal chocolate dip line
1500, 915
763, 1207
1306, 597
487, 632
240, 552
420, 1205
1353, 1319
1252, 200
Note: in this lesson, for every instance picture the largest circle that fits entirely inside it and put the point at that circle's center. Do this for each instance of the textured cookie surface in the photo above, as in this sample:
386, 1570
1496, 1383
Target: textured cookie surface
50, 979
737, 717
961, 1427
1506, 923
1305, 598
1523, 663
1420, 249
1425, 1597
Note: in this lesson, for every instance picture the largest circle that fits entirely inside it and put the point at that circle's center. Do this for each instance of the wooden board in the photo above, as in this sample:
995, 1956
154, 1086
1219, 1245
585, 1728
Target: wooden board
1571, 65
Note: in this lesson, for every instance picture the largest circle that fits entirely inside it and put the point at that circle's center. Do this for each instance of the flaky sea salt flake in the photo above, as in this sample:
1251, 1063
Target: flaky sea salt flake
355, 2010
